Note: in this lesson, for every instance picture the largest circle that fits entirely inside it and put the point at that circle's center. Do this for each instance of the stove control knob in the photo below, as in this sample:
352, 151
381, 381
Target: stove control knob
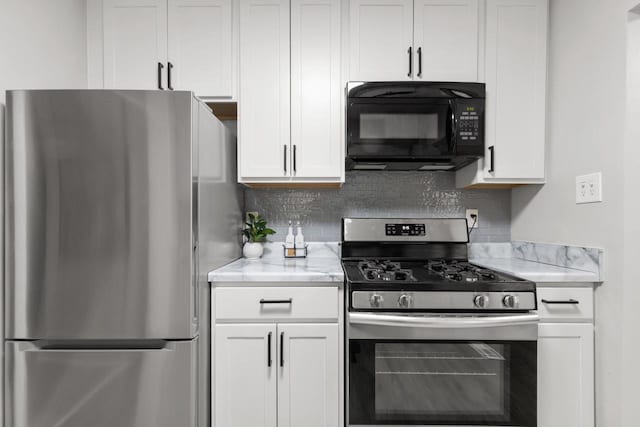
376, 300
510, 301
481, 301
405, 301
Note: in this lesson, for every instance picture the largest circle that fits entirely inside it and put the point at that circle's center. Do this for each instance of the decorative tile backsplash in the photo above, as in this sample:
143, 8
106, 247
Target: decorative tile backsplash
376, 194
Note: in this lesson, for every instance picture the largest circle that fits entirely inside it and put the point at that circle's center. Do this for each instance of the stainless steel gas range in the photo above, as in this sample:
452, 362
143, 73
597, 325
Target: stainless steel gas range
432, 339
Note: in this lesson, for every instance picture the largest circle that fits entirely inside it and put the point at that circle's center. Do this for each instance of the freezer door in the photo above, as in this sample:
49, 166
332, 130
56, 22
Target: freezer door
99, 237
97, 387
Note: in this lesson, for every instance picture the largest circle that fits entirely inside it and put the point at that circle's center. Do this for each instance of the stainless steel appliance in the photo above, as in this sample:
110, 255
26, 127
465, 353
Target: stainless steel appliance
414, 125
432, 339
118, 203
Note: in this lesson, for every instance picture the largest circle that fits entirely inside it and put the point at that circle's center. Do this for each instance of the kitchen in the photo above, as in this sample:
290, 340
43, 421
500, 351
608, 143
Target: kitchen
589, 49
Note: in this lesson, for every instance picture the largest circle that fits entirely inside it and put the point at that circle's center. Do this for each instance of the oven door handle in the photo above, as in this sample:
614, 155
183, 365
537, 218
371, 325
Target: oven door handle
442, 321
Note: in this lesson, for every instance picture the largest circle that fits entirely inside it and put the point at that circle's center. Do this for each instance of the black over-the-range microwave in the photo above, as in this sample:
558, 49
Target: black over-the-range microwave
414, 125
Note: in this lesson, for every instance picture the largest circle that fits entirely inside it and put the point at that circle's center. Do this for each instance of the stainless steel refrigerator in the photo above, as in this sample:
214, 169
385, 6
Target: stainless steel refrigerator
117, 204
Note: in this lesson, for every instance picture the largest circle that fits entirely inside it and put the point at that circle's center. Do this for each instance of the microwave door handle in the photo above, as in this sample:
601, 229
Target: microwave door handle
453, 144
447, 322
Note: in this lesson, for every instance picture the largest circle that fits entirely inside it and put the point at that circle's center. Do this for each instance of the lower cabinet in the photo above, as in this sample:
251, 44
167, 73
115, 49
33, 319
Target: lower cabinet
566, 394
284, 375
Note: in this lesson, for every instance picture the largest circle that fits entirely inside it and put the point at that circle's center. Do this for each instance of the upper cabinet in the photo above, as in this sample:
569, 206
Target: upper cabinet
429, 40
381, 40
162, 44
291, 92
200, 46
446, 39
264, 105
516, 70
135, 43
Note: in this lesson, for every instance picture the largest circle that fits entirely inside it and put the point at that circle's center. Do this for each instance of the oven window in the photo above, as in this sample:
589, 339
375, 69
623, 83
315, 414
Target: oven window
440, 378
399, 126
442, 383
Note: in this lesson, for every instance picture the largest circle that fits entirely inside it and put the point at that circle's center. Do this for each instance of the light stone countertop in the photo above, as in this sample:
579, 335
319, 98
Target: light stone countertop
323, 266
536, 271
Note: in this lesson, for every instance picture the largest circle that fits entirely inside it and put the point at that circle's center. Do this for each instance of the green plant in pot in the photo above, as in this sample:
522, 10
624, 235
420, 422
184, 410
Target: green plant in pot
256, 232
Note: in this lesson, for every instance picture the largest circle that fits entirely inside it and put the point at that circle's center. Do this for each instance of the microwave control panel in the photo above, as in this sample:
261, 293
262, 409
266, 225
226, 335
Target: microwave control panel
469, 125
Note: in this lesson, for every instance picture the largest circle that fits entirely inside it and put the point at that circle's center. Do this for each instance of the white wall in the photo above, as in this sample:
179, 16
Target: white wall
42, 46
631, 320
586, 128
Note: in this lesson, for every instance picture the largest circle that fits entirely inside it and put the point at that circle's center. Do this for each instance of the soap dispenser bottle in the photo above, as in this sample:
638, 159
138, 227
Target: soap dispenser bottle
299, 239
289, 242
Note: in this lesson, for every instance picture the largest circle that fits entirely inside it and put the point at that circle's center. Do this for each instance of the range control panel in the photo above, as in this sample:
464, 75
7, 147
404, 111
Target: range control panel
405, 229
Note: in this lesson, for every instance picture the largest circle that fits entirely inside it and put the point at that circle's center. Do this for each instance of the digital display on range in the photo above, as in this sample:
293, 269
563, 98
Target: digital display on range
405, 229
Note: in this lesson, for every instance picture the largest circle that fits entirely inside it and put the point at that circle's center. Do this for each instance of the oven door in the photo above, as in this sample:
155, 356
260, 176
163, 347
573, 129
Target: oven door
399, 129
442, 370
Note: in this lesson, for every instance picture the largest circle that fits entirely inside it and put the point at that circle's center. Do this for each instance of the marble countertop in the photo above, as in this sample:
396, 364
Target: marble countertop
322, 265
541, 263
537, 271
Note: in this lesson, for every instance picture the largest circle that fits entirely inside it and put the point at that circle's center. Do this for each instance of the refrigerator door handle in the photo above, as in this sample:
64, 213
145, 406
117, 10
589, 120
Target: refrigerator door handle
96, 345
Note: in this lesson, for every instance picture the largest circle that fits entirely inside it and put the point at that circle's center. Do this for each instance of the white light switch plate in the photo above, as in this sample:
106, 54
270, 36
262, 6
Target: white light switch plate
589, 188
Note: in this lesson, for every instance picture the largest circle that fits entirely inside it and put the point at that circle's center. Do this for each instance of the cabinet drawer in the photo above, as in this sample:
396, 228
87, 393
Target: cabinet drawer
566, 304
277, 303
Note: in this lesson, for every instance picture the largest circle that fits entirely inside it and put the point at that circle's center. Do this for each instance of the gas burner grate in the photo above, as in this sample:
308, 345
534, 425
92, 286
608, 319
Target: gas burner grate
460, 271
385, 271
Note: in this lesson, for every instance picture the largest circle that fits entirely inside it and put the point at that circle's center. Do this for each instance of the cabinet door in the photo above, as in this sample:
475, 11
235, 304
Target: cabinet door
516, 58
565, 375
200, 46
446, 40
381, 40
244, 382
264, 105
315, 88
135, 42
308, 379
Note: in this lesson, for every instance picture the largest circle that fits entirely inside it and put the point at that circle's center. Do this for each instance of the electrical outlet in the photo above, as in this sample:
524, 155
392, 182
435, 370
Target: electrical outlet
589, 188
470, 220
246, 216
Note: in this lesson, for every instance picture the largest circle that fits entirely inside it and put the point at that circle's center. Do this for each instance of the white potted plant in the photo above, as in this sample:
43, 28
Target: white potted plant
256, 232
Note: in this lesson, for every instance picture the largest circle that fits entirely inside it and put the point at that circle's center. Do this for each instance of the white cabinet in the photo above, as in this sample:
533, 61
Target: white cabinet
446, 39
200, 46
135, 43
264, 104
565, 375
429, 40
289, 122
316, 93
273, 363
162, 44
516, 66
566, 392
308, 381
381, 40
245, 375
